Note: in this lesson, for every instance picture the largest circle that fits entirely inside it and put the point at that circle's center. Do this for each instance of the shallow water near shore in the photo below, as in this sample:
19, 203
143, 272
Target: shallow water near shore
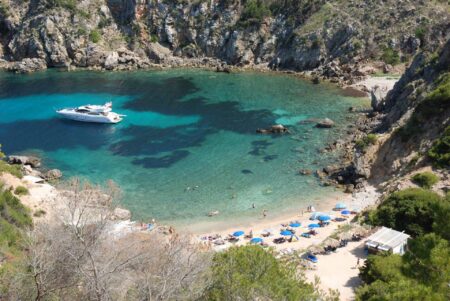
188, 144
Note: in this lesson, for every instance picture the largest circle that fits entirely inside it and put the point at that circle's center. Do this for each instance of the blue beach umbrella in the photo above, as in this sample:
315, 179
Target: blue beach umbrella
238, 233
345, 212
315, 215
256, 240
340, 206
286, 233
313, 226
295, 225
324, 218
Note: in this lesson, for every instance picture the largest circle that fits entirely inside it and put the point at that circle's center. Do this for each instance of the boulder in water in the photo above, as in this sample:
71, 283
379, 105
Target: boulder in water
53, 174
274, 129
25, 160
325, 123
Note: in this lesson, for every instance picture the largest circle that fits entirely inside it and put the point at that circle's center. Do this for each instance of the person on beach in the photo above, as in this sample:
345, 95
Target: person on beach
253, 205
264, 213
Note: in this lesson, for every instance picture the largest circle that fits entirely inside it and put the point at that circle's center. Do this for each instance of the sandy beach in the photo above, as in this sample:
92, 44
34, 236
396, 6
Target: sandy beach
343, 261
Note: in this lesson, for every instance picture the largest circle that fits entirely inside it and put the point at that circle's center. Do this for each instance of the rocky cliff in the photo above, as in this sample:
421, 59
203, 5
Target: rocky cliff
396, 138
333, 38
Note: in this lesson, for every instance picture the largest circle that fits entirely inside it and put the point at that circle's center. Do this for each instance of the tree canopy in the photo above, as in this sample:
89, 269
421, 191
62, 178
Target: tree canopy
411, 210
246, 273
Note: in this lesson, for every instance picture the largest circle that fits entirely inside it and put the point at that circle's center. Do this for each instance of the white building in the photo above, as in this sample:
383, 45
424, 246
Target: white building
387, 239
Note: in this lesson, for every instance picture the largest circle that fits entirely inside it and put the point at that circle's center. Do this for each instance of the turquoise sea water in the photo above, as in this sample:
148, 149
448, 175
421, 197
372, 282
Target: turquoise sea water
188, 144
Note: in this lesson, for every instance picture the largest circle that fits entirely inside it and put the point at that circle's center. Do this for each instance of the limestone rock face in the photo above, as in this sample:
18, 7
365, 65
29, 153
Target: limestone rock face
28, 65
320, 37
377, 96
112, 60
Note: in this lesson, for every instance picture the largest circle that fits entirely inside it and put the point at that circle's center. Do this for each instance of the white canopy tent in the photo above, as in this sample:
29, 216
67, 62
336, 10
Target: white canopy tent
387, 239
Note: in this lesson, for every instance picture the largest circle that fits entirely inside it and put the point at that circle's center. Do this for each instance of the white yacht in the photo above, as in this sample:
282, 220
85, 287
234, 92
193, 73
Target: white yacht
92, 113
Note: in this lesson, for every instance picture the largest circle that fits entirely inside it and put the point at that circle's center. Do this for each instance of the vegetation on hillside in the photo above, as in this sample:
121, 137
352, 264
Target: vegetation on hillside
413, 210
423, 273
440, 151
435, 104
14, 218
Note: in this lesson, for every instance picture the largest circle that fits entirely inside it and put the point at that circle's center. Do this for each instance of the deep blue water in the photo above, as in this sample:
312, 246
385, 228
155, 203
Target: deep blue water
188, 144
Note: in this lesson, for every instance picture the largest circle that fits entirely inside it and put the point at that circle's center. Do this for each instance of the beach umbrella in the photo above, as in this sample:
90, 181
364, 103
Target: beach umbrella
256, 240
286, 233
315, 215
324, 218
345, 212
340, 206
295, 225
238, 233
313, 226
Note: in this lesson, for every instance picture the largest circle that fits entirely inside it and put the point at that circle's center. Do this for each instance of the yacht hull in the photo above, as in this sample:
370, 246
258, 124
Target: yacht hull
109, 118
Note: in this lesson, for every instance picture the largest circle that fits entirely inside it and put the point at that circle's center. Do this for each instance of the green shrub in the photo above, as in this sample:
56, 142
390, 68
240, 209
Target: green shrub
252, 273
412, 210
154, 38
370, 139
12, 210
70, 5
81, 31
254, 12
94, 36
420, 33
425, 179
440, 151
15, 170
39, 213
21, 190
390, 56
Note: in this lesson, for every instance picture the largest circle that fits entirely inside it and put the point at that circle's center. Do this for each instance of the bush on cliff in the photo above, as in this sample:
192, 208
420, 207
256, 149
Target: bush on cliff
95, 36
254, 12
21, 190
425, 179
67, 4
440, 151
12, 169
390, 56
370, 139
